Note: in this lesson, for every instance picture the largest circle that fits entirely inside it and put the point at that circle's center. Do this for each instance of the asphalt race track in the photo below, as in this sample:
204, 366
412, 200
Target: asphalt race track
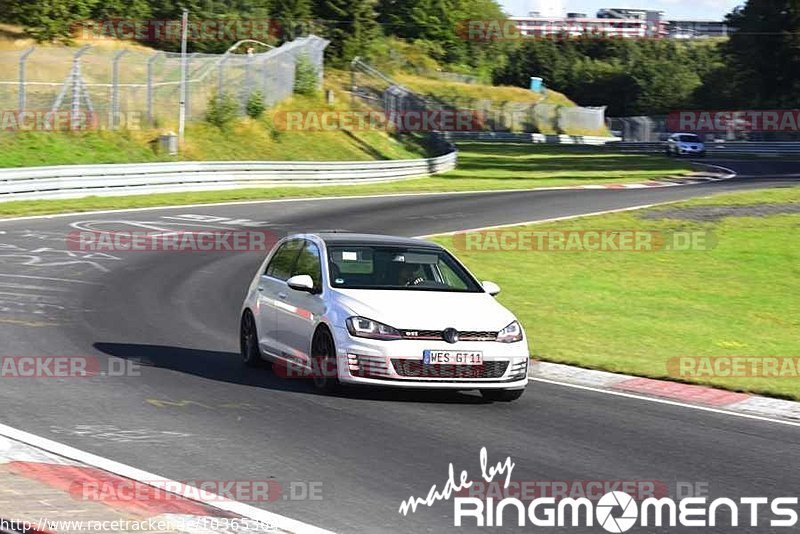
196, 413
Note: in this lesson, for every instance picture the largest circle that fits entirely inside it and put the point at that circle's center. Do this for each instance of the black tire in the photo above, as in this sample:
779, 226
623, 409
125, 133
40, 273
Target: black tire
502, 395
248, 341
323, 355
669, 152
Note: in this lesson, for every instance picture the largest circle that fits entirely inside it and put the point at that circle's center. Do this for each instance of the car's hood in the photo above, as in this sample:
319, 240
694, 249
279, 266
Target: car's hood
427, 310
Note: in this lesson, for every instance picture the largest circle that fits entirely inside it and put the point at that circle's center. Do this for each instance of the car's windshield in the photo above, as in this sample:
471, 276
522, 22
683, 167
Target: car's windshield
688, 138
393, 267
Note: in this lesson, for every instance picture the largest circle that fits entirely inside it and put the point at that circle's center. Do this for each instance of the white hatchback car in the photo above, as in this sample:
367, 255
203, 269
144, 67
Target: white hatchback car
381, 311
685, 144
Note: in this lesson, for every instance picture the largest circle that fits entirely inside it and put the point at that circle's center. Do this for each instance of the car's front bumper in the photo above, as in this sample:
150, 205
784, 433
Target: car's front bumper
399, 364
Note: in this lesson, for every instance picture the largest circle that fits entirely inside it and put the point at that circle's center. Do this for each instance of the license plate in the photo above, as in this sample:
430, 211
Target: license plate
452, 357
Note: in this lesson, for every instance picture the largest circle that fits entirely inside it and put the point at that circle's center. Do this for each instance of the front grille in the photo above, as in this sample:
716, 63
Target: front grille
466, 335
422, 334
477, 335
417, 369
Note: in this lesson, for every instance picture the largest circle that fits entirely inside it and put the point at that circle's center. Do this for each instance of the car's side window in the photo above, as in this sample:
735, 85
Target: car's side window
309, 262
282, 262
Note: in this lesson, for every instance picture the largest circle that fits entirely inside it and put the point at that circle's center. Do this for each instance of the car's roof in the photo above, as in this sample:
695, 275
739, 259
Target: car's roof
346, 238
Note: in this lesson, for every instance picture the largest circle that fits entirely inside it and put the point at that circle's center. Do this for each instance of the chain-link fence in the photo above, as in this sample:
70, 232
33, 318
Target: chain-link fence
641, 129
652, 129
382, 92
136, 83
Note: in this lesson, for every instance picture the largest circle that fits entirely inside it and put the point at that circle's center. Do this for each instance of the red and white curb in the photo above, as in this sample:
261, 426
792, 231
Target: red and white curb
688, 395
188, 509
670, 181
722, 173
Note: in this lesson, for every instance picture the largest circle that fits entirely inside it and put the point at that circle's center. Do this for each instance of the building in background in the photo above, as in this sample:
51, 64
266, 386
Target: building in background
697, 29
615, 22
640, 25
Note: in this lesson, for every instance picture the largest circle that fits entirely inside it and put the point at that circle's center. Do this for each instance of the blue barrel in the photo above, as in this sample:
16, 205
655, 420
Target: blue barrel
536, 84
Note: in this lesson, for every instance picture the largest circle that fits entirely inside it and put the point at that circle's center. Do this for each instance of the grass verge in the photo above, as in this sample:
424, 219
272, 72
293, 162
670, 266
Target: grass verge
483, 166
245, 139
637, 312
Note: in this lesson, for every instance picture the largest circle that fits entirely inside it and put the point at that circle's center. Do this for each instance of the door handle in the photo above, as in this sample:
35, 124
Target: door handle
282, 296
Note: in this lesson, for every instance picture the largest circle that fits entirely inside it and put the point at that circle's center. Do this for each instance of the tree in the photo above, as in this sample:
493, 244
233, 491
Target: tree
49, 20
249, 20
350, 25
115, 9
293, 17
764, 52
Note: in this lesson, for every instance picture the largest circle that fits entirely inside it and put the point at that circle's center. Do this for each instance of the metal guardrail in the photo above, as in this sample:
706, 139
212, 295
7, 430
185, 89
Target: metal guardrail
717, 148
617, 145
511, 137
70, 181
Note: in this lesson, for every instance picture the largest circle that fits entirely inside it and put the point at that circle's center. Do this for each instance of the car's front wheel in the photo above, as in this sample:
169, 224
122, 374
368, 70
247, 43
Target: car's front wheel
248, 341
502, 395
324, 366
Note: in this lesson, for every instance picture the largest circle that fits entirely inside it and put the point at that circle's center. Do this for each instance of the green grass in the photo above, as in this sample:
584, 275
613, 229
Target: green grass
632, 312
483, 166
548, 165
245, 140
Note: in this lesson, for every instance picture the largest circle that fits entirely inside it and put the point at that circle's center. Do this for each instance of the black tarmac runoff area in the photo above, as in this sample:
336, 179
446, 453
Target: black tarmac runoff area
194, 412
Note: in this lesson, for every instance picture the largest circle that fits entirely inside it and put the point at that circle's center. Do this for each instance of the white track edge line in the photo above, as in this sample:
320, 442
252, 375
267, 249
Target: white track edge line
553, 219
138, 475
666, 401
312, 199
568, 217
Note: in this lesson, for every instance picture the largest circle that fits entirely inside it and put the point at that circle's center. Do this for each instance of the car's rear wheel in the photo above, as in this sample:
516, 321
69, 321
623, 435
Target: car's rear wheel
502, 395
325, 367
248, 341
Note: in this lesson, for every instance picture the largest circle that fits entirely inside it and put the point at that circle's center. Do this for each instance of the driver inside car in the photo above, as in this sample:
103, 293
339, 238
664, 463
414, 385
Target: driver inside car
409, 275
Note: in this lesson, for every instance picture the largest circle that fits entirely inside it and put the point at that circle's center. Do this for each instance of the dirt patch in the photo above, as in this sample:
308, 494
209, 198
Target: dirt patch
715, 213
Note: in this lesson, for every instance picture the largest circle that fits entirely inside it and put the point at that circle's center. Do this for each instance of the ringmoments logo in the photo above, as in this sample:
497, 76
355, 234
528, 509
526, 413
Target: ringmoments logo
615, 511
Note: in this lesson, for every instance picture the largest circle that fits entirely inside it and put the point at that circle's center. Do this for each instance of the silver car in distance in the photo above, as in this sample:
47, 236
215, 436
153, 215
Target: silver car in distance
382, 311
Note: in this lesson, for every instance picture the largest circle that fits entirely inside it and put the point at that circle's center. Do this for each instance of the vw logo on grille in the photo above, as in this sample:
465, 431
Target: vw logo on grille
450, 335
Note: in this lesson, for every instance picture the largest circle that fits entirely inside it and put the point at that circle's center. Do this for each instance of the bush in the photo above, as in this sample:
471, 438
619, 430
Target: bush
255, 105
222, 110
306, 79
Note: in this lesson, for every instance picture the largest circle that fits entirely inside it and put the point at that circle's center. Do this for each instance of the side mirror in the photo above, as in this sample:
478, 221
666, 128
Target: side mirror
301, 282
491, 288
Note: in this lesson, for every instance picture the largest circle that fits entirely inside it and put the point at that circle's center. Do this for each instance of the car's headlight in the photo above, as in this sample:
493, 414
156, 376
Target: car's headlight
510, 334
362, 327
